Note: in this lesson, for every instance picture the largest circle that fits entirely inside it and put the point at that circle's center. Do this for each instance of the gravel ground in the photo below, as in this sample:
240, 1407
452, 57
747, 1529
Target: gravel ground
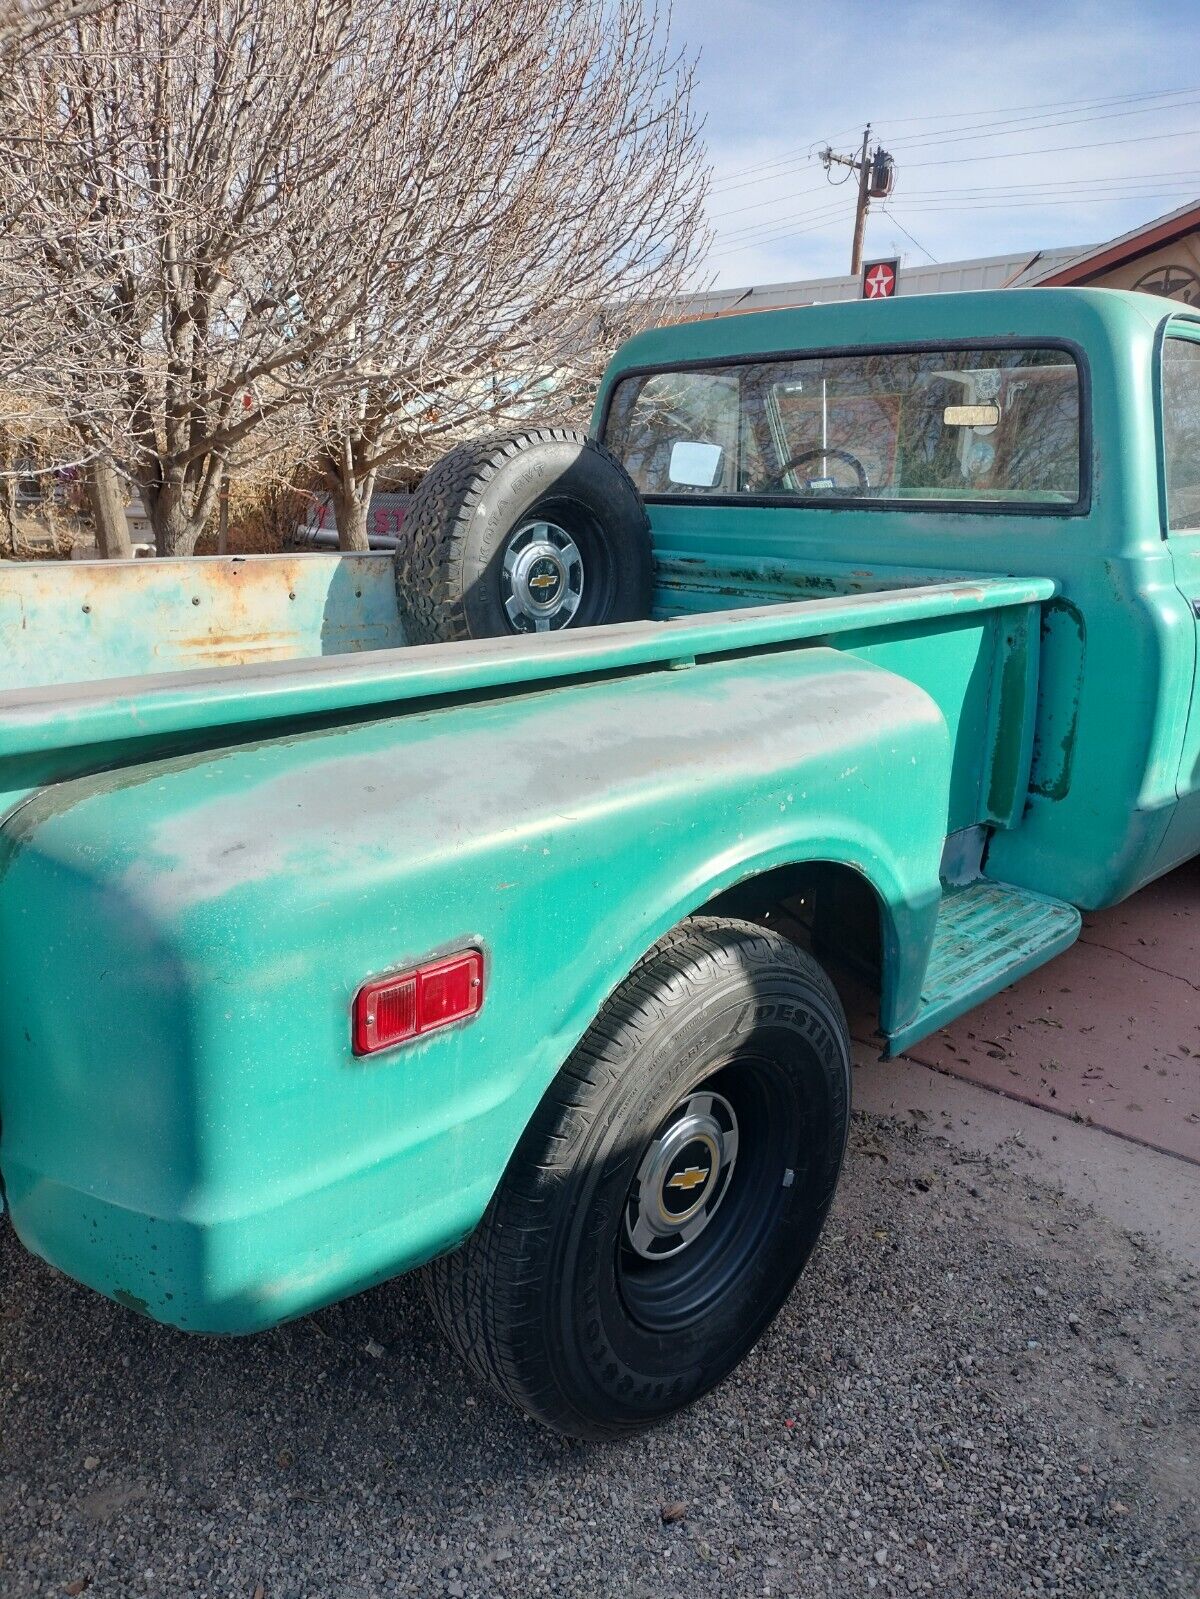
978, 1389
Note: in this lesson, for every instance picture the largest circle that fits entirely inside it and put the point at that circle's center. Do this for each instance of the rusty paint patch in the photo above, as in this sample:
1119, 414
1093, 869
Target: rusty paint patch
140, 1307
112, 619
1064, 639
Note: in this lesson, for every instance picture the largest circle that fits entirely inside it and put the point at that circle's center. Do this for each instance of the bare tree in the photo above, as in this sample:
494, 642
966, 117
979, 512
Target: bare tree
176, 178
30, 25
550, 177
28, 22
231, 232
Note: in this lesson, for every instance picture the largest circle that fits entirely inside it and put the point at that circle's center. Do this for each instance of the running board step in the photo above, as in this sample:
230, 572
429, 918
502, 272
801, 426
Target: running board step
987, 936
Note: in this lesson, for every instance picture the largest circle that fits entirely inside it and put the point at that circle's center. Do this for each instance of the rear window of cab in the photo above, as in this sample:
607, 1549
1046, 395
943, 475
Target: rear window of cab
969, 428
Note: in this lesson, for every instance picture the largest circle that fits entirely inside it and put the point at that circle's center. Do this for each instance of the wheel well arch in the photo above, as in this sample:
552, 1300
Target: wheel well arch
829, 907
873, 898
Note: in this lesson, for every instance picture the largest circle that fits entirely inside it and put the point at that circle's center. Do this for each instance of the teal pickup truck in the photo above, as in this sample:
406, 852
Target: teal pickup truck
331, 952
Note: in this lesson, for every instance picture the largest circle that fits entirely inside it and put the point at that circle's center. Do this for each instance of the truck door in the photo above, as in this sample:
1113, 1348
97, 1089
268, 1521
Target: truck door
1181, 476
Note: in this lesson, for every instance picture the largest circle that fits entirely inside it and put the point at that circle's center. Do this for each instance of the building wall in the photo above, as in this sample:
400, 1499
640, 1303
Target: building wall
1173, 270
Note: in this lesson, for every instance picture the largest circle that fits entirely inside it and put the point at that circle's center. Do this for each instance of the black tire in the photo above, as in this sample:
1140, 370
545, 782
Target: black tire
539, 1301
451, 577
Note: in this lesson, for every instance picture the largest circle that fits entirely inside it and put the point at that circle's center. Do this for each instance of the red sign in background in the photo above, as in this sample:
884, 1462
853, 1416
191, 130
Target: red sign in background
879, 280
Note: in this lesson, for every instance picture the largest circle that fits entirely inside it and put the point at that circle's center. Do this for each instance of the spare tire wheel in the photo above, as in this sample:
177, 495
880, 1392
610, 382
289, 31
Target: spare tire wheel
525, 533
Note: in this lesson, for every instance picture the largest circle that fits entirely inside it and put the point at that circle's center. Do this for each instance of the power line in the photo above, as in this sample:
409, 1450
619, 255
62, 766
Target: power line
892, 217
961, 200
796, 233
1060, 193
760, 234
1037, 125
817, 188
1061, 186
782, 232
826, 213
787, 157
778, 199
874, 172
1055, 149
1016, 203
1045, 105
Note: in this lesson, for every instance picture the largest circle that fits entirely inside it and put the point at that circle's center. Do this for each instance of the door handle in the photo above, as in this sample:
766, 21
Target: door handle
1196, 609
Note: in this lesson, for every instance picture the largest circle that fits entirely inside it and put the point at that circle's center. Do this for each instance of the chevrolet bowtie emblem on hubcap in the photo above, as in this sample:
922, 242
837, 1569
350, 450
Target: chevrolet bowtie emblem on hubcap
689, 1179
544, 580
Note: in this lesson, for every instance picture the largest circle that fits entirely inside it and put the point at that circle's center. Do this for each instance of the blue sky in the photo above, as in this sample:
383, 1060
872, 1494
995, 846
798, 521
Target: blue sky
778, 78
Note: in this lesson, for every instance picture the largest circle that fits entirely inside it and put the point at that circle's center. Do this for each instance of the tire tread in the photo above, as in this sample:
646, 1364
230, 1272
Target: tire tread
434, 533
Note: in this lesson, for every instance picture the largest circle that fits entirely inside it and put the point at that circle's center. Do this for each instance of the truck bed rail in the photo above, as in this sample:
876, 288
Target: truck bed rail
54, 732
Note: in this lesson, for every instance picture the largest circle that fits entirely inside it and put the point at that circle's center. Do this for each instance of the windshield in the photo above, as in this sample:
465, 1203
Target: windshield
957, 426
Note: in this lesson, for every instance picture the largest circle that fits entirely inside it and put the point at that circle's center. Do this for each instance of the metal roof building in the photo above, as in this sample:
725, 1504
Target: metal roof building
1159, 257
984, 272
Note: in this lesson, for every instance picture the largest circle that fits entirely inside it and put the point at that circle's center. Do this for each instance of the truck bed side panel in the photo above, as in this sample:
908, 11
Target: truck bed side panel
182, 1122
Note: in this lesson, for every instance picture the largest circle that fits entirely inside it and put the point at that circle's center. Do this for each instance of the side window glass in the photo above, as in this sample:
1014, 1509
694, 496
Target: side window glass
1181, 433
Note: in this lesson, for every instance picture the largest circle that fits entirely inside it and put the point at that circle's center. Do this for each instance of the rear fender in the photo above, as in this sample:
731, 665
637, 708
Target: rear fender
185, 1125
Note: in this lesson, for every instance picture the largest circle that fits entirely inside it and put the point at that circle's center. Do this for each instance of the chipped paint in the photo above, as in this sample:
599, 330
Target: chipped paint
112, 619
245, 895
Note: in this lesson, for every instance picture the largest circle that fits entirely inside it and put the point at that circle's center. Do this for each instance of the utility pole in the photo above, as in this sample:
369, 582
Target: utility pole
864, 202
876, 175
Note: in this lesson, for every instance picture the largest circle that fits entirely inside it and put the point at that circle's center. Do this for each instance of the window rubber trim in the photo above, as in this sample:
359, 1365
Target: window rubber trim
1175, 325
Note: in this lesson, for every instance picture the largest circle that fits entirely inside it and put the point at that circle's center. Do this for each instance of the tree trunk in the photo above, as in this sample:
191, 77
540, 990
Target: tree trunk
107, 503
175, 529
8, 497
351, 505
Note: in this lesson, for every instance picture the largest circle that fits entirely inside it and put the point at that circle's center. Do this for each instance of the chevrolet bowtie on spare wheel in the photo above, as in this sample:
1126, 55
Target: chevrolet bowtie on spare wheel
328, 953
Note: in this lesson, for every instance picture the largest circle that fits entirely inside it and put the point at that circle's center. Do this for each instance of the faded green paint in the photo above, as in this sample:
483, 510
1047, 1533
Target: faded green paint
1183, 837
188, 1118
1013, 707
987, 936
1056, 716
1098, 832
51, 733
199, 867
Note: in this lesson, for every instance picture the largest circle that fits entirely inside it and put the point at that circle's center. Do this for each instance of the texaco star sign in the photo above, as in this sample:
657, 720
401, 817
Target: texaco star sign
879, 280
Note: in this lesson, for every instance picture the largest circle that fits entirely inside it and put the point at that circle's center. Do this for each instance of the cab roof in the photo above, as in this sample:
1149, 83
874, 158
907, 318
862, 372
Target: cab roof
1090, 318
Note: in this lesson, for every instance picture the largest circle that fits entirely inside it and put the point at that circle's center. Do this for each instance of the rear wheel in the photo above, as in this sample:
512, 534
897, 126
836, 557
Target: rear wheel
668, 1192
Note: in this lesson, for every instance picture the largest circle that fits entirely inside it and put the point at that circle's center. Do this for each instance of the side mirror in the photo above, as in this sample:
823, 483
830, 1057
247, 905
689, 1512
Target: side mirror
696, 466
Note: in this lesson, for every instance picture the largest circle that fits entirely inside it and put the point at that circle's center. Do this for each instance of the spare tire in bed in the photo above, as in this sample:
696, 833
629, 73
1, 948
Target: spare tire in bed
523, 533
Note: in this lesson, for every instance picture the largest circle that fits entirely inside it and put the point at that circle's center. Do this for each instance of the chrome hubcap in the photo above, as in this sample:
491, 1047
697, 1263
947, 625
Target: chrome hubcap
541, 578
683, 1177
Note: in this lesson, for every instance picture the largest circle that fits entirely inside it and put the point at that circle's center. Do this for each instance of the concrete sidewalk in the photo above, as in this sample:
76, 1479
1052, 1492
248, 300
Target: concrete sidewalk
1086, 1074
1110, 1032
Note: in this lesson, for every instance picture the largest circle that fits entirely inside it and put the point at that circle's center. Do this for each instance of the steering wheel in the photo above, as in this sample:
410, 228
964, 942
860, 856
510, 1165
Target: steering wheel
819, 454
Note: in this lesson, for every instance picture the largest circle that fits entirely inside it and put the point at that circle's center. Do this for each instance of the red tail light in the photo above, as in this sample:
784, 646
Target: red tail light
391, 1010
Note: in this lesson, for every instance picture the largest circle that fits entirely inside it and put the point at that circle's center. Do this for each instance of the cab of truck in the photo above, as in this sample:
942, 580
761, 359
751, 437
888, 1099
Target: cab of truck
849, 448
